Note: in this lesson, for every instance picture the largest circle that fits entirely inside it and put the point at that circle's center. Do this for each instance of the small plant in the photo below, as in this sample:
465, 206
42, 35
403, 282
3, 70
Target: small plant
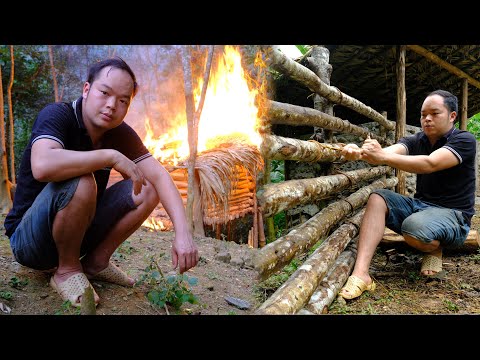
270, 285
413, 276
68, 309
7, 295
172, 290
124, 248
17, 283
475, 257
451, 306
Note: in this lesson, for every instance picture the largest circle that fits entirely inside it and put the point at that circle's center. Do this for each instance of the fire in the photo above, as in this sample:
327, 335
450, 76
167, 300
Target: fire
154, 224
229, 113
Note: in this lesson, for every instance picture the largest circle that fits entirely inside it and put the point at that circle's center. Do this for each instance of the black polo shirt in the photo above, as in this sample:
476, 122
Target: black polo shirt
63, 122
454, 187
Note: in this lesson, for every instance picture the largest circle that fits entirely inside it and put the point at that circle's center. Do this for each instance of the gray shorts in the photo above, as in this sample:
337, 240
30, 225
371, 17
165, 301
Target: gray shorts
424, 221
32, 242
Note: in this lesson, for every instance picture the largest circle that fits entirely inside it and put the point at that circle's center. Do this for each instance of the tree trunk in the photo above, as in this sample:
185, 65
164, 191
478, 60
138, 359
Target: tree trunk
10, 118
274, 198
331, 284
5, 197
288, 114
305, 76
54, 75
298, 289
277, 254
190, 112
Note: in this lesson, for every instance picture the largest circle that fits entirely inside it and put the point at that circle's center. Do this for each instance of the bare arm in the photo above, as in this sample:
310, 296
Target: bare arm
395, 156
184, 250
51, 162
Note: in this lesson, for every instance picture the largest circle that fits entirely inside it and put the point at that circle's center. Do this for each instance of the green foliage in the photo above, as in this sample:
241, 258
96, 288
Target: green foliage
277, 172
267, 287
277, 175
68, 309
172, 290
17, 283
475, 257
124, 249
303, 48
451, 306
7, 295
473, 125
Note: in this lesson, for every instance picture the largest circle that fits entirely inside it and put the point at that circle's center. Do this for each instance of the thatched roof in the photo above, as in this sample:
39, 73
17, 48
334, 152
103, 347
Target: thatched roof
367, 72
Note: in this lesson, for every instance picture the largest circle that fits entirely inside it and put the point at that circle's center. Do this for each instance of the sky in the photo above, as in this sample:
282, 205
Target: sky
290, 50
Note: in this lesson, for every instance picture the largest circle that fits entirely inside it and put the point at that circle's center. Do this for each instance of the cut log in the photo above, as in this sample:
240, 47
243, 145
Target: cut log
297, 290
331, 284
277, 197
295, 115
471, 243
280, 252
281, 148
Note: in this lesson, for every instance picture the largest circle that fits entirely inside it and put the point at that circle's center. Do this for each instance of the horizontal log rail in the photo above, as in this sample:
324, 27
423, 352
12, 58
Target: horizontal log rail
294, 115
277, 197
275, 147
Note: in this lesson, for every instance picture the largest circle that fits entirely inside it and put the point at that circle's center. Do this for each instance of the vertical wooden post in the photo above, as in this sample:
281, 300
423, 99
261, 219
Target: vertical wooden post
463, 119
401, 112
382, 131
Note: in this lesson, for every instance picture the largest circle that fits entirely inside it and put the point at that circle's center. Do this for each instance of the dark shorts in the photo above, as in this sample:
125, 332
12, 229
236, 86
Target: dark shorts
32, 242
424, 221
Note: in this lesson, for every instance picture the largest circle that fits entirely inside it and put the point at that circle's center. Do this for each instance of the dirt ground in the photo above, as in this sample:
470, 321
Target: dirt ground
221, 273
224, 273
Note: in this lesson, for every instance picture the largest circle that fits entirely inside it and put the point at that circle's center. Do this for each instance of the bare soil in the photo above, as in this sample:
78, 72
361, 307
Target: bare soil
220, 273
224, 271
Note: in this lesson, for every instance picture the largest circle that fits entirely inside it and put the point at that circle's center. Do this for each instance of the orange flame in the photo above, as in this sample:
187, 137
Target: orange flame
154, 224
229, 113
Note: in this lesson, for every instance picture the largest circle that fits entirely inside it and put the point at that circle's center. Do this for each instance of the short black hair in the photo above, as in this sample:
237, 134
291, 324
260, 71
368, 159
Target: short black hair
115, 62
450, 100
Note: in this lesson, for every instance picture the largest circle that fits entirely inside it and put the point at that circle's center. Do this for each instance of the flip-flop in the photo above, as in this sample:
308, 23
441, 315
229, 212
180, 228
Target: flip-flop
355, 287
113, 274
432, 263
72, 288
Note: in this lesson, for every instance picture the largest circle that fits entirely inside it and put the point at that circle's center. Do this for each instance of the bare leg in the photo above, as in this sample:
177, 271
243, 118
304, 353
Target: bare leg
98, 259
69, 228
433, 248
371, 233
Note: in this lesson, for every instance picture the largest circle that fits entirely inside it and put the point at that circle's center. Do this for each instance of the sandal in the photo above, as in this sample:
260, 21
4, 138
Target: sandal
73, 288
432, 263
355, 287
113, 274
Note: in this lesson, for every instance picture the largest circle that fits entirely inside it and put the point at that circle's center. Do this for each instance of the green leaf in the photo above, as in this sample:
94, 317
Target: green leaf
193, 281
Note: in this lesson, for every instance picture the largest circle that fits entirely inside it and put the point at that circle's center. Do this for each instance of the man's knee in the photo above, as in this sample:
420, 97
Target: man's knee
421, 245
377, 201
86, 193
148, 196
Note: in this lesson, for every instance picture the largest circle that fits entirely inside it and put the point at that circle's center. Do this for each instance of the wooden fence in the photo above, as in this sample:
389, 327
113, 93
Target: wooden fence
313, 286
